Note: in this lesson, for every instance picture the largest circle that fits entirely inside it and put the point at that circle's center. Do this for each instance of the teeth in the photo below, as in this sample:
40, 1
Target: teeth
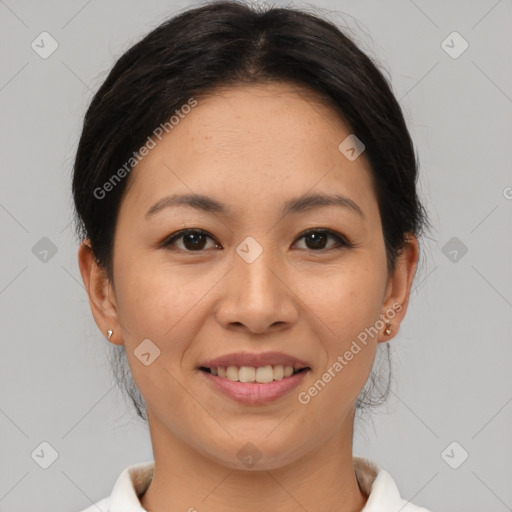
232, 373
261, 374
288, 370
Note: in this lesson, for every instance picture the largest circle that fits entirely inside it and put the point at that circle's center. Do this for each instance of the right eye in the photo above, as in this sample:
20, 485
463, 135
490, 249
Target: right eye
192, 240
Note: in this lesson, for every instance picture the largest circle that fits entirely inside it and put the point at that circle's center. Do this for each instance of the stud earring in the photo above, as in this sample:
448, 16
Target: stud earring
109, 333
387, 332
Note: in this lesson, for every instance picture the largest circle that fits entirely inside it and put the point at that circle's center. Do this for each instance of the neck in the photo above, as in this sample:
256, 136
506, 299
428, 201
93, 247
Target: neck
183, 479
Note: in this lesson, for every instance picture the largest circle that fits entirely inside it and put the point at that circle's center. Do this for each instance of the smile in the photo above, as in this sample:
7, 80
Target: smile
254, 385
260, 374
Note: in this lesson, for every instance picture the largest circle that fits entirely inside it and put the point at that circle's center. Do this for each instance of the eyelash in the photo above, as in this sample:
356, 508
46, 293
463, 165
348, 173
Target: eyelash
342, 242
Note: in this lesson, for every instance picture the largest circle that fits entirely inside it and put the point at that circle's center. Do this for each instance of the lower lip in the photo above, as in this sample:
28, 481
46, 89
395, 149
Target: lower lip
252, 392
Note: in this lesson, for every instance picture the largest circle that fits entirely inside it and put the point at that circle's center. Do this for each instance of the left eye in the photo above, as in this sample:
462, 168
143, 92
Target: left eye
194, 240
318, 237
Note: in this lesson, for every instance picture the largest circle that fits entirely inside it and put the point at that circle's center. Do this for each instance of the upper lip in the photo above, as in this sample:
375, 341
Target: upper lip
254, 359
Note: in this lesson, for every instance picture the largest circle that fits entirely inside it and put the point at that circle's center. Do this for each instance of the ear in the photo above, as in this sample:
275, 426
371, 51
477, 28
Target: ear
398, 289
100, 292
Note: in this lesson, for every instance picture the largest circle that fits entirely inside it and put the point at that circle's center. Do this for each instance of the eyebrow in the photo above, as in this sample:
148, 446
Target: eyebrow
296, 205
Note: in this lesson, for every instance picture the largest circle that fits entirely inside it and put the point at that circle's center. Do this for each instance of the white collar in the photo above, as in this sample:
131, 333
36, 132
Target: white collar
375, 482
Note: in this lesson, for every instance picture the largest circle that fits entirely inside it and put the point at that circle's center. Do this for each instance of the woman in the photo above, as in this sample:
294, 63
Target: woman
245, 192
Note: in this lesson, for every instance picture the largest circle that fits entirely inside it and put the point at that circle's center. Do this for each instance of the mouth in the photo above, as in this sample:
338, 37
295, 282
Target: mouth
254, 385
254, 374
260, 367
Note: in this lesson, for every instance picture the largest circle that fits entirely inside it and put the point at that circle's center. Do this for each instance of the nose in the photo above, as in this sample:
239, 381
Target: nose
256, 296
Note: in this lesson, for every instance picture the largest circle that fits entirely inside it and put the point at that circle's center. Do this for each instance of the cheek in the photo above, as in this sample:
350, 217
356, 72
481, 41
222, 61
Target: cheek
344, 307
166, 304
153, 297
156, 305
346, 299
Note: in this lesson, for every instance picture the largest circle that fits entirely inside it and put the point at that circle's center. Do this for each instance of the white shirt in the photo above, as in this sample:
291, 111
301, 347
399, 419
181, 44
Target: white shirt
377, 484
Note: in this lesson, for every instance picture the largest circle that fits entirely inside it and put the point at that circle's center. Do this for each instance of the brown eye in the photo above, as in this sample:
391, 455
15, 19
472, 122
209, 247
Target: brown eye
192, 240
316, 239
196, 240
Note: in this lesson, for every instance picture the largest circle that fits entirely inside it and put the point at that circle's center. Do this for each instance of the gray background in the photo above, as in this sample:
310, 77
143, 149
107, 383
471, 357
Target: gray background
452, 357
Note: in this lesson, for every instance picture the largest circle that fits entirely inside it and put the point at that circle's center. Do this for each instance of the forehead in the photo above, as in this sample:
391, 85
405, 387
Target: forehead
273, 140
281, 119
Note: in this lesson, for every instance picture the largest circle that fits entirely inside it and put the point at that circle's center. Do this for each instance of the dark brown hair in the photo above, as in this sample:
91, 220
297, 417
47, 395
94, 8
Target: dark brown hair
228, 43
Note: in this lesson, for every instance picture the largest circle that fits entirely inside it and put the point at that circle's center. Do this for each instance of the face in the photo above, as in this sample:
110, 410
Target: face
261, 271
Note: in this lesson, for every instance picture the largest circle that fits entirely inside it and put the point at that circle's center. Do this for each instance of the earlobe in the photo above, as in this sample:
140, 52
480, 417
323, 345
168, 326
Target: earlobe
398, 287
98, 287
